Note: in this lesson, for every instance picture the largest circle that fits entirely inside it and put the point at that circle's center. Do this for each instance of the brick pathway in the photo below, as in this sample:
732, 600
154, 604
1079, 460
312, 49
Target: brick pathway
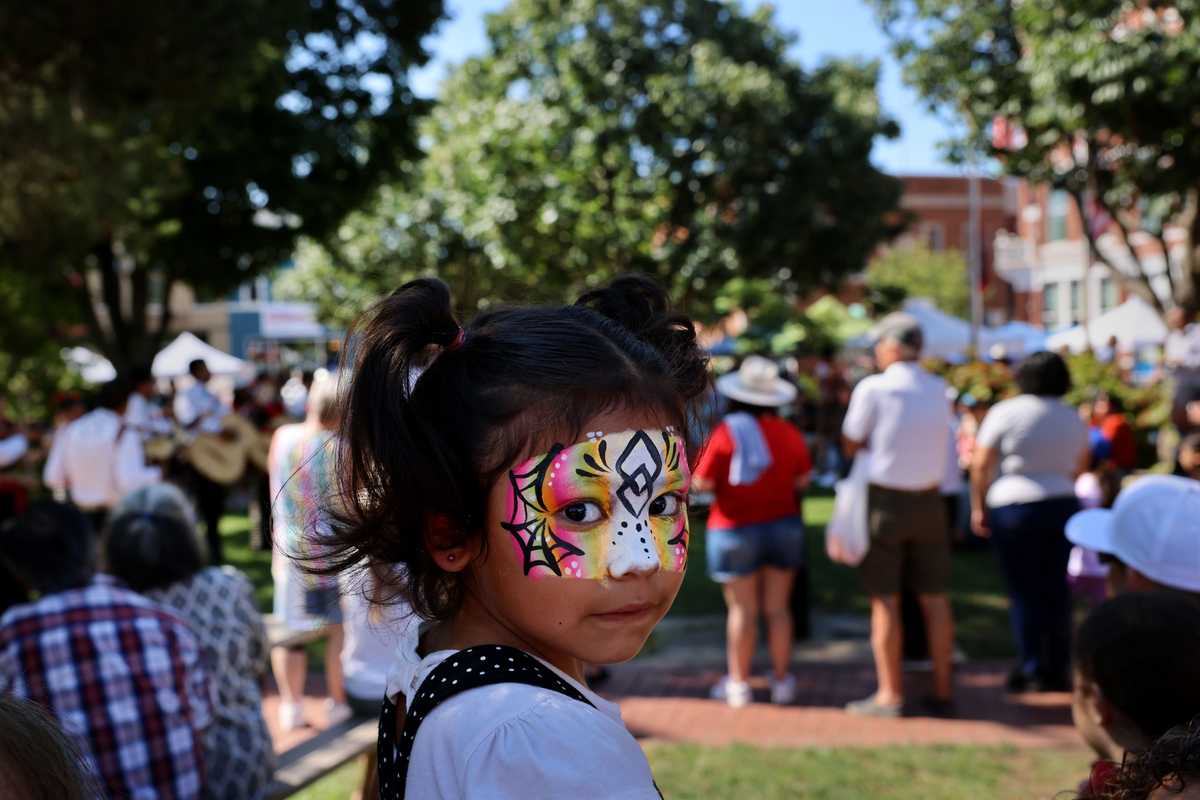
674, 706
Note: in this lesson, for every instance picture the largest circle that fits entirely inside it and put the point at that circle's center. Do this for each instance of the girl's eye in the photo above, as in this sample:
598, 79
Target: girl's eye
665, 506
583, 512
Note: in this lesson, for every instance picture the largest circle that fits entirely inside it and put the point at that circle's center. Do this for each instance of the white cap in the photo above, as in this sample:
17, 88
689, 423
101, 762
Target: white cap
1153, 527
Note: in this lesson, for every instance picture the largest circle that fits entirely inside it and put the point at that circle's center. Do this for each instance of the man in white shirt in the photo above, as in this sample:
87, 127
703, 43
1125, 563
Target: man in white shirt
1181, 357
141, 415
901, 417
197, 408
97, 459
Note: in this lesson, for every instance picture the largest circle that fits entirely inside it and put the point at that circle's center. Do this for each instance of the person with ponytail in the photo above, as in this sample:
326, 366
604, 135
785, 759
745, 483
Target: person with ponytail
523, 482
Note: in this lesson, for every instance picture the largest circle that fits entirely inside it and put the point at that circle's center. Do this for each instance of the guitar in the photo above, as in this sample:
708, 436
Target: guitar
222, 457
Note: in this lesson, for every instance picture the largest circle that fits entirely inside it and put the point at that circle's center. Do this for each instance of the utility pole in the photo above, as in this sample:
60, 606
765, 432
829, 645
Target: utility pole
974, 253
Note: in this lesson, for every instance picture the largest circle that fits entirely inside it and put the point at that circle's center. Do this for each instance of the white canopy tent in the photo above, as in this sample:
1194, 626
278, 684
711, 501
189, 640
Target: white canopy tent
946, 337
172, 361
91, 366
1134, 323
1018, 339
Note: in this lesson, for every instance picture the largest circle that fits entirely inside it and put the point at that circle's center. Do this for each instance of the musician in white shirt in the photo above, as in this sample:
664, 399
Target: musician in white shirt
141, 415
197, 408
97, 459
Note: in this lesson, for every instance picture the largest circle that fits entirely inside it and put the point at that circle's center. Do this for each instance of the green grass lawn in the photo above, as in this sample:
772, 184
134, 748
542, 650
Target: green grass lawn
686, 771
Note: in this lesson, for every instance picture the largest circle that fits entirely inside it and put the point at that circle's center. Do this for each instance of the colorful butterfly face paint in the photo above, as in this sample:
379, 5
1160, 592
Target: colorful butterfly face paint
602, 508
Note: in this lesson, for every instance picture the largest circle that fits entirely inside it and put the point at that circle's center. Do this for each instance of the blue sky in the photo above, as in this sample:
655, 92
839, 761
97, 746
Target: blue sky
826, 28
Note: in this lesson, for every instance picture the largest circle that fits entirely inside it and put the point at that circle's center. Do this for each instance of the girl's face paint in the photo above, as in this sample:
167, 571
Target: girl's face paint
605, 507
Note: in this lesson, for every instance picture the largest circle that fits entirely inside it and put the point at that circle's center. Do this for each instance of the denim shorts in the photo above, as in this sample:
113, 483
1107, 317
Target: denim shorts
736, 552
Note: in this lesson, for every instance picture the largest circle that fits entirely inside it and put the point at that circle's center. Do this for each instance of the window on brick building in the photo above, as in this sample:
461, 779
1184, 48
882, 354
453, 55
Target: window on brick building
1050, 305
1056, 215
1076, 301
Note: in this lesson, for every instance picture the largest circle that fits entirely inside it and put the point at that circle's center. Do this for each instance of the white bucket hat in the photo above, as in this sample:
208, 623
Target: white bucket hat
757, 382
1153, 527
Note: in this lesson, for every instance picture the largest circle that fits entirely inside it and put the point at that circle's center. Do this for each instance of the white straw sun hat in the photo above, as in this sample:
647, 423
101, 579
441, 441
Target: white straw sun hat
757, 383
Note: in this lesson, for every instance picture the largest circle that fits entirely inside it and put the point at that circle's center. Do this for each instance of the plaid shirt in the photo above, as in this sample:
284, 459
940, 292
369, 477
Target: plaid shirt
122, 676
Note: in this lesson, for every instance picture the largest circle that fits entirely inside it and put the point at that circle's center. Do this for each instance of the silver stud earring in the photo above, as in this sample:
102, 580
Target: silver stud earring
450, 557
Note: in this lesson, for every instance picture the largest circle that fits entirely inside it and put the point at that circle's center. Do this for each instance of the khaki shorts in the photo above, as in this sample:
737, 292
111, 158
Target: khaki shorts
909, 543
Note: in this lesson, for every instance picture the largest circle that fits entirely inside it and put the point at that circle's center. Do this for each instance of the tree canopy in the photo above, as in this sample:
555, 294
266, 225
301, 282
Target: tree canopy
143, 144
917, 271
673, 137
1096, 97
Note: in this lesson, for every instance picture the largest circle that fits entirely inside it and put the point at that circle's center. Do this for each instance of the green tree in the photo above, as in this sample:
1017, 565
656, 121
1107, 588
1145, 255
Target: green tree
917, 271
674, 137
1101, 95
143, 144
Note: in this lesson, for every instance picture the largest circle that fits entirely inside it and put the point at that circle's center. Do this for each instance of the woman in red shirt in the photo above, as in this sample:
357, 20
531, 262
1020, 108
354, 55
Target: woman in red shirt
1109, 417
756, 464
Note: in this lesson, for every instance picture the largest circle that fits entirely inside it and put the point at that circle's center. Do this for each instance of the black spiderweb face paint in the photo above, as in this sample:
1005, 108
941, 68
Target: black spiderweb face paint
602, 507
538, 541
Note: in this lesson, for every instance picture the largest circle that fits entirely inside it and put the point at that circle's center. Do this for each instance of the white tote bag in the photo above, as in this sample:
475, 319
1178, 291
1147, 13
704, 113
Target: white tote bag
846, 537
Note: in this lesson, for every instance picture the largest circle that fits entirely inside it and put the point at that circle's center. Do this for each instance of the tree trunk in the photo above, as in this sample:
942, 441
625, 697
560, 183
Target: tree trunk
1189, 269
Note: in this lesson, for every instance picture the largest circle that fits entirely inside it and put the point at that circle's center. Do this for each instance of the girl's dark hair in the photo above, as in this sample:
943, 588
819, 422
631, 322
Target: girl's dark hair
1044, 374
151, 551
425, 440
1141, 649
37, 760
1173, 762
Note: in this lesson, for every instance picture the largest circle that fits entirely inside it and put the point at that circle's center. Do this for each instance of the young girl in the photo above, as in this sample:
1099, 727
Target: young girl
529, 476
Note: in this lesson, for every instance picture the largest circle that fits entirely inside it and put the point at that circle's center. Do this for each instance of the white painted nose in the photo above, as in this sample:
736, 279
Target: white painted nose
633, 550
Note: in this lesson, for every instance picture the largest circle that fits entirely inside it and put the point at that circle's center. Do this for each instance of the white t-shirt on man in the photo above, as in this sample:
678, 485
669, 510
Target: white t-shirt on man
516, 742
1040, 442
901, 415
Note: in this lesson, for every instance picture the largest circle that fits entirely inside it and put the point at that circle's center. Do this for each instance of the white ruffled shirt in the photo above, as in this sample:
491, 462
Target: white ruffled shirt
516, 741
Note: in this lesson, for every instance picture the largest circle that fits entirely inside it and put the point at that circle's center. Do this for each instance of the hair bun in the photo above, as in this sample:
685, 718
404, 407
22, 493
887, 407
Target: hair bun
640, 305
422, 308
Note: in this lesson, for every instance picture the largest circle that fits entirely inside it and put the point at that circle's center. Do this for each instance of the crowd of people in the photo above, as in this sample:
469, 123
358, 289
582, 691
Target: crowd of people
120, 618
521, 484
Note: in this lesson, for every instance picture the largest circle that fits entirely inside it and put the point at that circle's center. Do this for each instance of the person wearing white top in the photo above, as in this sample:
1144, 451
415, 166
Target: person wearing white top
142, 416
200, 411
902, 418
97, 460
197, 408
1038, 445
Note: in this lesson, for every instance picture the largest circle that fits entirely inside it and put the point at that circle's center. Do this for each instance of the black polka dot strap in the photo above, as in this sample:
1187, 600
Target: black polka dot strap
466, 669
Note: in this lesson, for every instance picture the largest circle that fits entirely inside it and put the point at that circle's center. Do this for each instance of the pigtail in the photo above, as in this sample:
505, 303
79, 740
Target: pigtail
640, 305
390, 462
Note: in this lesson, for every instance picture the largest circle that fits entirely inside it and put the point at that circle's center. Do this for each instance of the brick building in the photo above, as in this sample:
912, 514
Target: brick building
940, 207
1049, 265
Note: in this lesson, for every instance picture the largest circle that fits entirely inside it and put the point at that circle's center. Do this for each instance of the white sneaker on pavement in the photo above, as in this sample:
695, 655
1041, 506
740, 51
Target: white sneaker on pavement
783, 690
336, 713
291, 716
737, 694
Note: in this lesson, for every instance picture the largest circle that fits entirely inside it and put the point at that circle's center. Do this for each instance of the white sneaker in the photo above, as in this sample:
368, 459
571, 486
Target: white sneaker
291, 716
717, 692
783, 690
737, 694
336, 713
